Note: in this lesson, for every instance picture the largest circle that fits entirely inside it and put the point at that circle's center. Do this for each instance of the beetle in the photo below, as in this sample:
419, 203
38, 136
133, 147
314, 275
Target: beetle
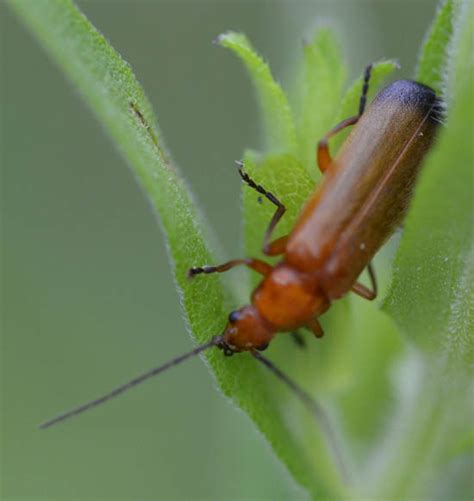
363, 196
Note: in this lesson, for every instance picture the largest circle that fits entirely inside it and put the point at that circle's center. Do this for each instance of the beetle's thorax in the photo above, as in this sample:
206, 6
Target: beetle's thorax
288, 298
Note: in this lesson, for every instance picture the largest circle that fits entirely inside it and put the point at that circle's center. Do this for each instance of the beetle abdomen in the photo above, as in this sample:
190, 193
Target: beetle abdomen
365, 192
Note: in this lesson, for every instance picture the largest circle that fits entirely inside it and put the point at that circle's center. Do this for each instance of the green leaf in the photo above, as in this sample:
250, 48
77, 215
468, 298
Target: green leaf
277, 116
433, 56
108, 85
431, 298
110, 88
406, 428
318, 90
433, 268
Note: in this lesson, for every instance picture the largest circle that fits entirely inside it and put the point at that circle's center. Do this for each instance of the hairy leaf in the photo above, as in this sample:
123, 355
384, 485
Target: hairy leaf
433, 268
277, 116
108, 85
394, 430
318, 91
431, 297
433, 56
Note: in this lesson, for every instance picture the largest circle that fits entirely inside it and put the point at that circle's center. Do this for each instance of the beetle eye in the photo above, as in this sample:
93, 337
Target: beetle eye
233, 316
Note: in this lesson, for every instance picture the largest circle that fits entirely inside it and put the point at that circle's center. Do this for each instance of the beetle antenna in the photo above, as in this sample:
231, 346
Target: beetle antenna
215, 341
316, 410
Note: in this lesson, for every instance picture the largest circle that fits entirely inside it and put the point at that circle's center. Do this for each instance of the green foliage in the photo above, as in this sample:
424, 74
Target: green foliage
431, 297
432, 60
436, 252
389, 400
108, 85
277, 118
317, 92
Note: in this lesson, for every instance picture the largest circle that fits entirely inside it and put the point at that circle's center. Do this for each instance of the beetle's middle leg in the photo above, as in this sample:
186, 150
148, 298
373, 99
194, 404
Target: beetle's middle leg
323, 155
278, 246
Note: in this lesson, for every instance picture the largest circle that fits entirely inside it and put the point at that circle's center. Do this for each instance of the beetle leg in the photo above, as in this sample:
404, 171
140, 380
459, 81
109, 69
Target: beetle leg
365, 88
323, 156
315, 327
255, 264
277, 246
364, 291
298, 339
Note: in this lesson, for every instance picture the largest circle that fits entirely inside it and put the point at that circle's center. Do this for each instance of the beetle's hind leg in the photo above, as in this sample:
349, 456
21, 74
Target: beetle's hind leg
365, 88
323, 156
364, 291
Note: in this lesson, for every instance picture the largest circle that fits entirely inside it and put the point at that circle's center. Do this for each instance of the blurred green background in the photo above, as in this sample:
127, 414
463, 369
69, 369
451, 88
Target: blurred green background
87, 297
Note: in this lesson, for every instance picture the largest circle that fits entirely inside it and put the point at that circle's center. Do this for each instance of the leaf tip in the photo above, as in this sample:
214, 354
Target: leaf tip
218, 39
392, 64
230, 38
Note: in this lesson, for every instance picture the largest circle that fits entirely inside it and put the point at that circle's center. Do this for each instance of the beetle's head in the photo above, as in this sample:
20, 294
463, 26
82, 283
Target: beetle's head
246, 330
